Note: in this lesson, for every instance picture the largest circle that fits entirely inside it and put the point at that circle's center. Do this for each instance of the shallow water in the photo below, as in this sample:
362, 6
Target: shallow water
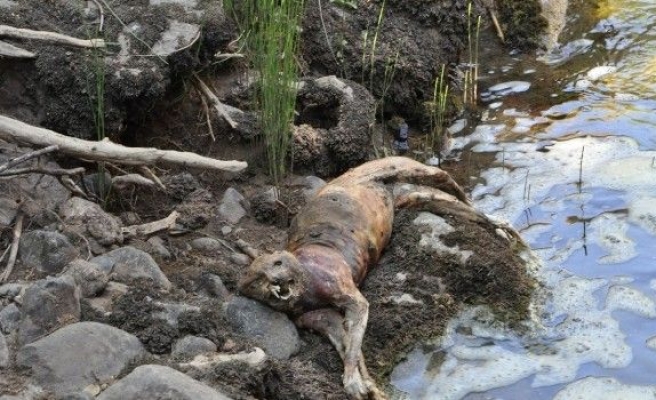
575, 172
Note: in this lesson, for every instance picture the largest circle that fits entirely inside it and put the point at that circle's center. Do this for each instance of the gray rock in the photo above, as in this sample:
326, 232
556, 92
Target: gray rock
206, 245
77, 396
159, 247
128, 264
90, 277
9, 318
13, 290
48, 305
240, 259
311, 185
104, 303
190, 346
179, 34
213, 286
8, 211
231, 208
268, 328
79, 355
46, 251
159, 382
4, 352
89, 219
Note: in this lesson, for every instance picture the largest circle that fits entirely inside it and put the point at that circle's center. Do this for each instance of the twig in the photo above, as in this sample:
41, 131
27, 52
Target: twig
247, 249
27, 156
18, 229
68, 183
105, 150
9, 50
191, 43
54, 37
220, 108
134, 179
497, 26
102, 15
44, 171
226, 56
325, 33
206, 109
151, 227
151, 175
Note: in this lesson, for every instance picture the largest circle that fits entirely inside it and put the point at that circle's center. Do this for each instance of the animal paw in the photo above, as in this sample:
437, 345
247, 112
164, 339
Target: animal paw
355, 386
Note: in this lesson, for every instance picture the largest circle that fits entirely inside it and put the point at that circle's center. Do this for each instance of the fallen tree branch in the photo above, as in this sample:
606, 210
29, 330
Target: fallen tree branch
53, 37
105, 150
27, 156
68, 183
102, 15
151, 175
150, 227
9, 50
223, 110
18, 230
44, 171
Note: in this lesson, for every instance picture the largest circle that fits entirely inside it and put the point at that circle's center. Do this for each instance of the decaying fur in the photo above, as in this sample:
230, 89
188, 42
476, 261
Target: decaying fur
332, 242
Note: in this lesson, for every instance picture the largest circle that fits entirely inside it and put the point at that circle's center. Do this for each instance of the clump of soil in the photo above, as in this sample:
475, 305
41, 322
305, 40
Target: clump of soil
493, 275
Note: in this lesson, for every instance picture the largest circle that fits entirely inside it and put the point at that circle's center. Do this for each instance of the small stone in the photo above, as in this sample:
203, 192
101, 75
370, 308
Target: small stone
9, 318
103, 304
171, 312
46, 251
13, 290
48, 305
240, 259
226, 230
159, 382
213, 285
158, 246
206, 245
90, 278
231, 208
190, 346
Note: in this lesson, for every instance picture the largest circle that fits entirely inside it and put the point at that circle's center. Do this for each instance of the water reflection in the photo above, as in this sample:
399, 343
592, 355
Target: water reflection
575, 172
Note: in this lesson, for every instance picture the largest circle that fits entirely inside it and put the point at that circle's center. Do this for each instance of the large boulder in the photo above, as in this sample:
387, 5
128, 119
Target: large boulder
159, 382
79, 355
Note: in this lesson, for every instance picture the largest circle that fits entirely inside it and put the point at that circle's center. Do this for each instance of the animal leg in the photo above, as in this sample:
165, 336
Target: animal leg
404, 170
330, 323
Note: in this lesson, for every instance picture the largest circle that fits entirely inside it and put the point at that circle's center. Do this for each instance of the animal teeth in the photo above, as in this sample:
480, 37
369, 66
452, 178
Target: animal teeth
276, 291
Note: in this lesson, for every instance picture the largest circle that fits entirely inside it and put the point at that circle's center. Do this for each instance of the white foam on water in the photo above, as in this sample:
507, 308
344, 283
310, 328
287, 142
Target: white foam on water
595, 388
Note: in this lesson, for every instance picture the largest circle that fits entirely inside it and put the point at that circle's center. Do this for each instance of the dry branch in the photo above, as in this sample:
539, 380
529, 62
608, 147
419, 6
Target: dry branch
223, 110
9, 50
18, 230
53, 37
134, 179
151, 227
105, 150
247, 249
27, 156
44, 171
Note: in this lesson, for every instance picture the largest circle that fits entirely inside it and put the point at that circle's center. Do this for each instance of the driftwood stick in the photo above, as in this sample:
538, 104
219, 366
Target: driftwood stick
134, 179
151, 227
9, 50
53, 37
221, 109
27, 156
105, 150
18, 230
44, 171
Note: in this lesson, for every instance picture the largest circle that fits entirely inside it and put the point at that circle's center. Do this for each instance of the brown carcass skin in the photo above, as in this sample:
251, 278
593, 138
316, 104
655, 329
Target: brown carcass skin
333, 241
